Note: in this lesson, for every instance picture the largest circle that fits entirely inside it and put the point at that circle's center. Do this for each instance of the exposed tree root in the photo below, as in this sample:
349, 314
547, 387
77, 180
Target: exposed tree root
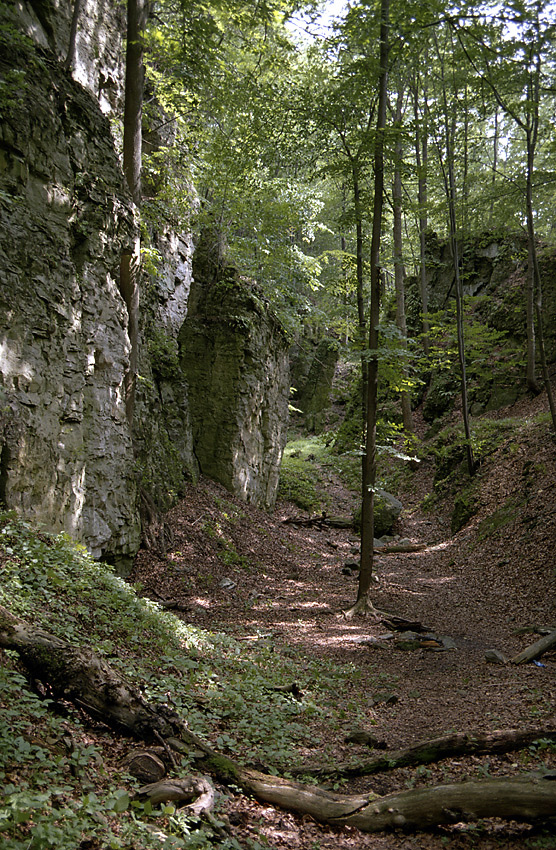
88, 680
363, 608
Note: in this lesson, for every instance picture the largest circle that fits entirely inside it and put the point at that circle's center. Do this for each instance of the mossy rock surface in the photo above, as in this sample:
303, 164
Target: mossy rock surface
505, 515
386, 511
466, 506
440, 397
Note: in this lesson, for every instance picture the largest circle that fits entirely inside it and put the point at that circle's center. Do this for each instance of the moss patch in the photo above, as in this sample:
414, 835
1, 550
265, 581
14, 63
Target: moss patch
505, 515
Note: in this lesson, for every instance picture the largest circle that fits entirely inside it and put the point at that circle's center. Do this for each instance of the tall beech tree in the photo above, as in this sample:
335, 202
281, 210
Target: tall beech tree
399, 265
446, 156
363, 604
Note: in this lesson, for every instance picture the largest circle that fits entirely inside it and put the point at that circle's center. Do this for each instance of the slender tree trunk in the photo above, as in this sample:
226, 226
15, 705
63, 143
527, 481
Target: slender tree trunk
362, 603
465, 176
531, 261
133, 109
494, 165
399, 269
532, 382
450, 187
542, 350
362, 319
534, 283
70, 58
421, 160
132, 148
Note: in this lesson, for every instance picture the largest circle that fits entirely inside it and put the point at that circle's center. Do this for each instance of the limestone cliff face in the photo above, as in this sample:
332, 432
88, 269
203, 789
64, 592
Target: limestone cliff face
98, 56
235, 360
67, 458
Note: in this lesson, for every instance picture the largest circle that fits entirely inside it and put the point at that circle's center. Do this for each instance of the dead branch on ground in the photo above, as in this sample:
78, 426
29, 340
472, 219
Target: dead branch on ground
427, 752
80, 675
531, 653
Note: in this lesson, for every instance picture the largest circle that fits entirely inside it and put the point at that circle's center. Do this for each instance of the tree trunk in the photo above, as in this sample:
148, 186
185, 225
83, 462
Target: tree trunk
399, 269
362, 603
421, 160
450, 187
536, 649
362, 321
130, 263
424, 808
78, 674
70, 57
532, 382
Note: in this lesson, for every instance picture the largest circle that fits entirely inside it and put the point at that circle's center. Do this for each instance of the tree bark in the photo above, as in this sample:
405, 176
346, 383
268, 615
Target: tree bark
362, 321
399, 268
80, 675
424, 808
362, 603
450, 188
421, 161
70, 57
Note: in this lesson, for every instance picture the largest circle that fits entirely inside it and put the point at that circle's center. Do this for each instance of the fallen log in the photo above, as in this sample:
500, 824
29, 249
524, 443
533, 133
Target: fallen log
535, 650
79, 674
424, 808
427, 752
320, 521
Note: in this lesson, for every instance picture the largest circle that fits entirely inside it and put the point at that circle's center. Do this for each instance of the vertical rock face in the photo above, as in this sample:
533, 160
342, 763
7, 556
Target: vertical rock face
234, 357
313, 365
66, 458
98, 57
162, 429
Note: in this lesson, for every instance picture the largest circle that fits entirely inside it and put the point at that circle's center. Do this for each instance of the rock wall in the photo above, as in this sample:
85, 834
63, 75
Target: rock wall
98, 62
67, 456
235, 360
313, 367
495, 266
162, 435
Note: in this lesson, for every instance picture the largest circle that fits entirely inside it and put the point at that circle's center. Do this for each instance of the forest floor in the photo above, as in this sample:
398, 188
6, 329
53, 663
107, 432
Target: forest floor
252, 574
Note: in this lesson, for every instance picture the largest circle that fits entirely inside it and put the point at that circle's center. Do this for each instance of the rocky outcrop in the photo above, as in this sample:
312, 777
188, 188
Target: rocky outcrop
97, 61
67, 457
162, 433
495, 265
494, 277
234, 358
313, 366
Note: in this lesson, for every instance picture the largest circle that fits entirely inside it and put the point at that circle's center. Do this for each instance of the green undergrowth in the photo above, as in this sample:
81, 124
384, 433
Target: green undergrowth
307, 465
60, 782
301, 480
448, 450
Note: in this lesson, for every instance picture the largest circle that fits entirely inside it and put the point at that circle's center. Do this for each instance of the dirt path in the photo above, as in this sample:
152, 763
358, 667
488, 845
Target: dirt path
472, 588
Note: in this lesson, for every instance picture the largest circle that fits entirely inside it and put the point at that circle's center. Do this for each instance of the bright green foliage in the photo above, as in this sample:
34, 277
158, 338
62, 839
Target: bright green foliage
299, 479
490, 355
